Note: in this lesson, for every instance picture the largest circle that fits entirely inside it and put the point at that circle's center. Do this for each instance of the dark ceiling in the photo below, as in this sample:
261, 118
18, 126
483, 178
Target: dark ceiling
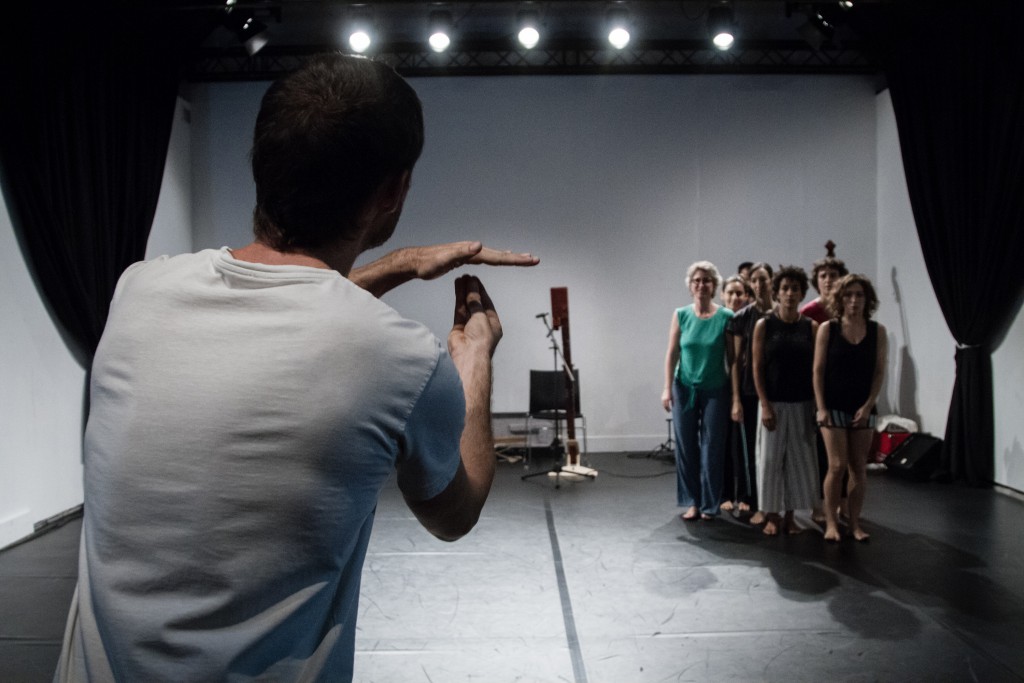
667, 37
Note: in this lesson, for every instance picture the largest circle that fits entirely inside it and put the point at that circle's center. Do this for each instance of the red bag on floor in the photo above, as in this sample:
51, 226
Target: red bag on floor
889, 442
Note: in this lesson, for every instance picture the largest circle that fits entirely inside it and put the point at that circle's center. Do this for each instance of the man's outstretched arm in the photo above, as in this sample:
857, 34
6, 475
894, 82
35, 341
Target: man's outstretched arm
426, 263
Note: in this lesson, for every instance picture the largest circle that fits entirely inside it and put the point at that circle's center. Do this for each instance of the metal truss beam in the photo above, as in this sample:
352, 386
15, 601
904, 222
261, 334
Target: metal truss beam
501, 58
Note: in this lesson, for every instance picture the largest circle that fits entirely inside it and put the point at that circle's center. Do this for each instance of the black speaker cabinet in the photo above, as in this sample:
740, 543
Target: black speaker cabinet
916, 458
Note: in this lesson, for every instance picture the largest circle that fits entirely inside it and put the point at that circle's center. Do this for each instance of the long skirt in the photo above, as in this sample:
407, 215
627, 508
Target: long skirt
787, 465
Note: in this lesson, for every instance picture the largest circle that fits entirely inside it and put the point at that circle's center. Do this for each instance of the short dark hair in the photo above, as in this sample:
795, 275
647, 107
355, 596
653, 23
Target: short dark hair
799, 275
767, 268
827, 262
327, 137
745, 265
835, 303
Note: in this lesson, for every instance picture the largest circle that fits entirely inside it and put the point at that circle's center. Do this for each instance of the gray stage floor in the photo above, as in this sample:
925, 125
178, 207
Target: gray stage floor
600, 581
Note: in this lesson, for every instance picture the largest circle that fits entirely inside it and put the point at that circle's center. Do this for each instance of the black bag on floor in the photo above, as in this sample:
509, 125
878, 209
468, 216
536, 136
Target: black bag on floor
916, 458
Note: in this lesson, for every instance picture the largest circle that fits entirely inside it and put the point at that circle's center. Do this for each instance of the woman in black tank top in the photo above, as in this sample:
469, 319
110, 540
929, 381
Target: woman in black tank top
849, 364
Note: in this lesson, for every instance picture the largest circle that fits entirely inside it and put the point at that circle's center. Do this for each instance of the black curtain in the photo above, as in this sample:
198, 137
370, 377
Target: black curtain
956, 78
89, 94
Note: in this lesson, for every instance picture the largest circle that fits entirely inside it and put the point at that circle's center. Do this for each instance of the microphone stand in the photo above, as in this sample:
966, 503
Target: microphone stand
557, 448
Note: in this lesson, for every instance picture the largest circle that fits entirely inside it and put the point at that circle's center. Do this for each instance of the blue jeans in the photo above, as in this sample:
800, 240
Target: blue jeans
700, 418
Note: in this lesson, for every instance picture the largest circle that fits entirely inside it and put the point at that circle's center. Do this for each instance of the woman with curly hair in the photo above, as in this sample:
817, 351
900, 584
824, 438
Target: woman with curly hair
849, 364
783, 354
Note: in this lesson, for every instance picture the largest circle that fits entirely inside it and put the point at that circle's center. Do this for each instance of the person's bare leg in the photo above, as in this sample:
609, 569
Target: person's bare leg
818, 512
789, 524
859, 445
838, 459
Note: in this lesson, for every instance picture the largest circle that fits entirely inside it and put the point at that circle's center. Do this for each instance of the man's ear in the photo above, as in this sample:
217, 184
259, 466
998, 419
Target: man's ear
386, 199
393, 192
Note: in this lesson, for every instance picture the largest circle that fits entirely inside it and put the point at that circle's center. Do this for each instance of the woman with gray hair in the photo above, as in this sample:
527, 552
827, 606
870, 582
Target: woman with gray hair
697, 393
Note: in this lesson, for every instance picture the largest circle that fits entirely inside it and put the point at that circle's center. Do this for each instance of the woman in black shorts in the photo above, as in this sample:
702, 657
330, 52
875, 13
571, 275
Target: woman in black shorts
849, 364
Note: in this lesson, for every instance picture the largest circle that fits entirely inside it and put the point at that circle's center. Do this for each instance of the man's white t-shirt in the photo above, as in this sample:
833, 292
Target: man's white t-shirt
243, 420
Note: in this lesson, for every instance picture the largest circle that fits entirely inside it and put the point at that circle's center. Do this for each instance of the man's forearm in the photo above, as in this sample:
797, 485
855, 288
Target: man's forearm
389, 271
477, 444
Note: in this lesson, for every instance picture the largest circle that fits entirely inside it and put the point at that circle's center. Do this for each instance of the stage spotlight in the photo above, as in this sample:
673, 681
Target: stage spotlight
360, 30
251, 32
440, 30
816, 30
359, 41
846, 4
618, 27
529, 25
721, 25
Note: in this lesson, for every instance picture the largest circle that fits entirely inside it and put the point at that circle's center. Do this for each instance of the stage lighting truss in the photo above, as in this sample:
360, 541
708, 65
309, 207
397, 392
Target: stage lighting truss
576, 47
247, 27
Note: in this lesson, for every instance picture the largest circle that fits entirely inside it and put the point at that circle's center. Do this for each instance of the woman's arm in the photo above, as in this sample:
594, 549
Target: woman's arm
736, 377
881, 360
757, 353
820, 353
671, 361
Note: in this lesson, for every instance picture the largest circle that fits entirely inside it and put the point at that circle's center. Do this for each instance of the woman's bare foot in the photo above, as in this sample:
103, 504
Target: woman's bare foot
790, 526
744, 507
771, 528
832, 534
818, 515
727, 506
706, 517
689, 515
757, 518
860, 535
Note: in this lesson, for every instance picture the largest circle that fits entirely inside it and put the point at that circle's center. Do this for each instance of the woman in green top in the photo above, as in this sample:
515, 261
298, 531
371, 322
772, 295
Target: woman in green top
697, 392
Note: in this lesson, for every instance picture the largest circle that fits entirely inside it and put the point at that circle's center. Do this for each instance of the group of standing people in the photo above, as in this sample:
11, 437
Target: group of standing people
773, 400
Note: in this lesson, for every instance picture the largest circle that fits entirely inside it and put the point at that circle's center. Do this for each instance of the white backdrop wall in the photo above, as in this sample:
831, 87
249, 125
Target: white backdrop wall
617, 183
41, 391
1008, 395
921, 366
172, 225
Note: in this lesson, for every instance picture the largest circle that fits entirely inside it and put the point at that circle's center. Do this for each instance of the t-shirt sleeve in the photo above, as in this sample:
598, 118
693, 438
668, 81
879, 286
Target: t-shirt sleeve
430, 457
734, 324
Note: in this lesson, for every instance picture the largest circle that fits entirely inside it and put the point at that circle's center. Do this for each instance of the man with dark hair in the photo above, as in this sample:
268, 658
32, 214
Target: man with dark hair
248, 405
825, 273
